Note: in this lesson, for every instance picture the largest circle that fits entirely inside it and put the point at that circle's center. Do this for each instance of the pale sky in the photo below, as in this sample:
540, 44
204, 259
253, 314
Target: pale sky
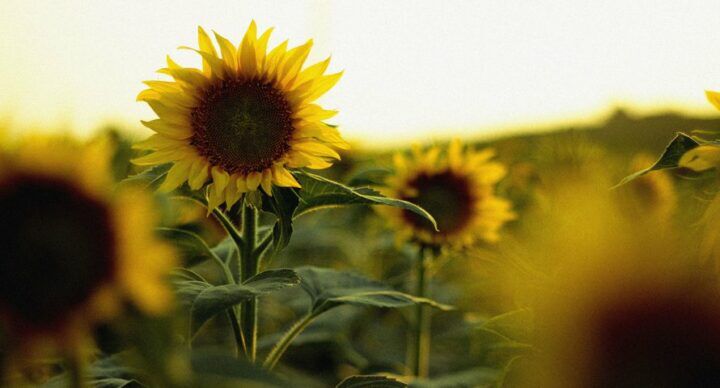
414, 70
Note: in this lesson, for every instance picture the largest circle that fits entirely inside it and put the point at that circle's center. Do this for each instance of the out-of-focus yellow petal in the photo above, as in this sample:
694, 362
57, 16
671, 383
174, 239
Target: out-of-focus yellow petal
701, 158
713, 97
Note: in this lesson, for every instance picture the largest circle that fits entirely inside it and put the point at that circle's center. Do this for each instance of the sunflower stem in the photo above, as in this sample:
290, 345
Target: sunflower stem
419, 349
249, 268
76, 370
281, 346
240, 346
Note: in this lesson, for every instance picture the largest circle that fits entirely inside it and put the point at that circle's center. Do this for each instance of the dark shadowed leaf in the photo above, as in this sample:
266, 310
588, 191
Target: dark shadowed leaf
189, 245
283, 204
318, 193
370, 382
477, 377
213, 300
329, 288
670, 158
226, 250
233, 369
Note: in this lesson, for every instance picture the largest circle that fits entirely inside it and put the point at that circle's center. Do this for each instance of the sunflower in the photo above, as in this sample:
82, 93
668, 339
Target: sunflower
651, 196
458, 189
241, 121
75, 251
616, 301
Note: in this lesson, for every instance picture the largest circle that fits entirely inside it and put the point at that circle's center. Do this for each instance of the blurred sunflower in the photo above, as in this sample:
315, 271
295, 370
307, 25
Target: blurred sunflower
705, 156
651, 196
458, 189
242, 120
74, 250
628, 306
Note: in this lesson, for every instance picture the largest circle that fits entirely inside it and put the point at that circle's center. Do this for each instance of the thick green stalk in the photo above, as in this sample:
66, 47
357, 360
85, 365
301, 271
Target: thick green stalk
248, 268
76, 370
277, 352
419, 349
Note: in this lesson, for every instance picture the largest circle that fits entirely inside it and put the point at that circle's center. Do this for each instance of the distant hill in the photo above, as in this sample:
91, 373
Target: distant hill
623, 132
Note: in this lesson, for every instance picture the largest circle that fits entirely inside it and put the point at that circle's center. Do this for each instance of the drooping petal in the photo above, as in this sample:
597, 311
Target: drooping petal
176, 176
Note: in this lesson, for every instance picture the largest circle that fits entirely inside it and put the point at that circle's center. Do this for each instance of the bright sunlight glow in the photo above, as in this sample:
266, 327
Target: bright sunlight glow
414, 70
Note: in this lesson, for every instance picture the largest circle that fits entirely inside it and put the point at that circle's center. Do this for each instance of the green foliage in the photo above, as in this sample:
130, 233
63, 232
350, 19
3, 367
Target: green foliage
319, 193
150, 178
472, 378
220, 369
370, 382
329, 288
206, 300
192, 248
670, 158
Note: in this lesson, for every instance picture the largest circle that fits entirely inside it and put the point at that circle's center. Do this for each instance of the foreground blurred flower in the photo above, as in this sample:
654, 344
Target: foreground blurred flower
241, 121
73, 250
618, 302
458, 189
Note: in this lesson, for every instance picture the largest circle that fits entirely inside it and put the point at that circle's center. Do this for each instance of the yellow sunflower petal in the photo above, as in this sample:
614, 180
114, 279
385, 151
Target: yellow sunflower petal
253, 180
266, 182
198, 174
232, 194
220, 178
261, 46
316, 149
229, 54
322, 85
171, 130
713, 97
283, 177
247, 58
176, 176
701, 158
206, 46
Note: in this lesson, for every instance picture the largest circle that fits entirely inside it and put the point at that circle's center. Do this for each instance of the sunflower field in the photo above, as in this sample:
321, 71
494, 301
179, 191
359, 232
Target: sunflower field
241, 241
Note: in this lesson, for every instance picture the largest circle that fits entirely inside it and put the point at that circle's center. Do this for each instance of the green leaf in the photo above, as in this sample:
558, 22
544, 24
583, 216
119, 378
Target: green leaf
231, 368
226, 250
370, 177
477, 377
670, 158
369, 381
191, 247
329, 288
213, 300
283, 204
318, 193
150, 178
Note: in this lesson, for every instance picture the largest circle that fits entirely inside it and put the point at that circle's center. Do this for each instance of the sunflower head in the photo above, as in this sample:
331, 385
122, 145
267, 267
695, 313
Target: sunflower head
74, 250
620, 305
457, 188
241, 121
650, 196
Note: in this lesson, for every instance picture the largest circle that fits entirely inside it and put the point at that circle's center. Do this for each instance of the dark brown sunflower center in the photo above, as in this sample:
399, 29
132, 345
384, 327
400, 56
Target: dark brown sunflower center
658, 341
242, 126
446, 196
57, 247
